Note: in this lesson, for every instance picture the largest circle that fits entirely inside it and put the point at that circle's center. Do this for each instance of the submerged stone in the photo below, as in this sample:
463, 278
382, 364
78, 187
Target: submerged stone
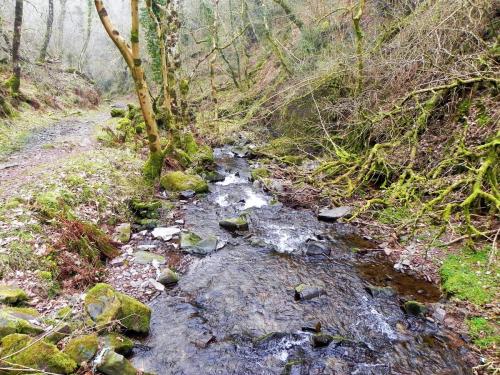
111, 363
234, 224
315, 248
377, 291
83, 348
305, 292
168, 277
12, 295
146, 257
333, 214
23, 351
180, 181
414, 308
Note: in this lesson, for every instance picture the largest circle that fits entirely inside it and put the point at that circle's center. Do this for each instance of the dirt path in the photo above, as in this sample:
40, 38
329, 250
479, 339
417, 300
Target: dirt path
46, 148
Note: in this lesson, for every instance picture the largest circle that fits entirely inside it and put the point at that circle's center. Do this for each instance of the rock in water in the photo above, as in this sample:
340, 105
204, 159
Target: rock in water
333, 214
168, 277
414, 308
314, 248
110, 363
377, 291
193, 244
40, 355
165, 233
83, 348
118, 343
234, 224
305, 292
187, 194
322, 340
12, 295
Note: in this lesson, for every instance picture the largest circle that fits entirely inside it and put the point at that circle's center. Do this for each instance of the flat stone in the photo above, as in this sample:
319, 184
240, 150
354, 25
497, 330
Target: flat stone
234, 224
165, 234
333, 214
193, 244
144, 257
146, 247
12, 295
187, 194
117, 262
315, 248
155, 284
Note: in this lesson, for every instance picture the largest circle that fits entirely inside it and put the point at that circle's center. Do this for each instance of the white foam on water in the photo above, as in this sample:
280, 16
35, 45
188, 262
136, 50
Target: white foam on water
232, 179
222, 201
254, 200
285, 238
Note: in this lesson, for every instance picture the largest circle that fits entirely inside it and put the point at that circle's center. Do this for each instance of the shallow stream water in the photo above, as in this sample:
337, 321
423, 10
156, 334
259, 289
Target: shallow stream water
234, 311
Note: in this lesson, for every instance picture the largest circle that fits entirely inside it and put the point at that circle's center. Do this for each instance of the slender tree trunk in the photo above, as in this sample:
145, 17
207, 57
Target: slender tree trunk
48, 33
60, 26
134, 62
15, 80
358, 32
87, 36
213, 57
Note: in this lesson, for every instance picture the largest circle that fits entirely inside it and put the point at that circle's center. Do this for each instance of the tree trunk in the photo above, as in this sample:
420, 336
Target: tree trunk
87, 36
213, 57
358, 32
48, 33
60, 27
289, 12
15, 80
134, 62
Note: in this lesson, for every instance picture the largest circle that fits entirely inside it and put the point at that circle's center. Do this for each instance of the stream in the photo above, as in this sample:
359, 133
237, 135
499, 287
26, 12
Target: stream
235, 311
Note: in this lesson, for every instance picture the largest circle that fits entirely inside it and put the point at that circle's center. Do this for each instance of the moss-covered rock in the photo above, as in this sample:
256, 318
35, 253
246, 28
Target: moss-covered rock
134, 315
111, 363
40, 355
19, 320
62, 331
234, 223
118, 343
83, 348
118, 112
179, 181
102, 304
168, 277
12, 295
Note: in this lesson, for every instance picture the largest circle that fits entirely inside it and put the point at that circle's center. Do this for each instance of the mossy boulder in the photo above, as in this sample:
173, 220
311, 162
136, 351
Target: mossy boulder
112, 363
134, 315
19, 320
104, 304
83, 348
118, 112
39, 355
12, 295
62, 331
118, 343
180, 181
168, 277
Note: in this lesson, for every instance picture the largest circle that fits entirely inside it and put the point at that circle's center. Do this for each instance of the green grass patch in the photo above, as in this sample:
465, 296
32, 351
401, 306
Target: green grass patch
483, 333
465, 276
394, 215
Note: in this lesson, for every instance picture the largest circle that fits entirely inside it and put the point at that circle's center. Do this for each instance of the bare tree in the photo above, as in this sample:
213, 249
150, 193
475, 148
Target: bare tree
88, 32
60, 26
131, 55
48, 33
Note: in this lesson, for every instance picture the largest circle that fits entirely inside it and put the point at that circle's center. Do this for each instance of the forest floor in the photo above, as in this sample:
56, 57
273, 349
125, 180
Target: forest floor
63, 163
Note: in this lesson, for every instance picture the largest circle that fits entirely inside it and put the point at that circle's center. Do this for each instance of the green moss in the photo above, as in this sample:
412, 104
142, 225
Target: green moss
102, 304
118, 343
259, 173
118, 112
466, 277
37, 355
483, 333
12, 295
154, 164
54, 203
414, 308
394, 215
179, 181
134, 315
82, 349
64, 313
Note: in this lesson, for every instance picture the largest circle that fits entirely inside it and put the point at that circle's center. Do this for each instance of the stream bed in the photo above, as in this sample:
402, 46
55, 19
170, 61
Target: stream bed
235, 310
